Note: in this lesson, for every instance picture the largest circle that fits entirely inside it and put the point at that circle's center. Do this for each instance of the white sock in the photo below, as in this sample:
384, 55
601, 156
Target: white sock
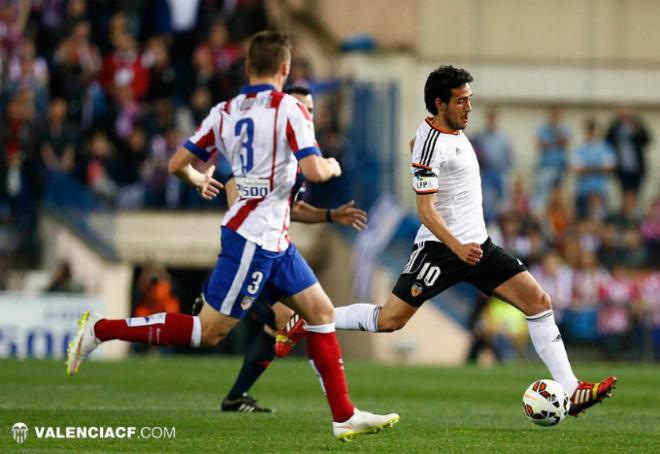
358, 317
196, 335
550, 347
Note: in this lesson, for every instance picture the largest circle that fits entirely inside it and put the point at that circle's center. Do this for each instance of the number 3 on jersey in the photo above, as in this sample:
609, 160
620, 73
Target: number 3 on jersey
245, 129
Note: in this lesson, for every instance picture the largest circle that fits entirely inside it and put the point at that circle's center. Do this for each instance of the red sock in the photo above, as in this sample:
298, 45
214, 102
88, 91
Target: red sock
157, 329
325, 356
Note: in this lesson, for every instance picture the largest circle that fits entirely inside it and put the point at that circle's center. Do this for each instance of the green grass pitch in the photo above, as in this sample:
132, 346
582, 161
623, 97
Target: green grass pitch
465, 409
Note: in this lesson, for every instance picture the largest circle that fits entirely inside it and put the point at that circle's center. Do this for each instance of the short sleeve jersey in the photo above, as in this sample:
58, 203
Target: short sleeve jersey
262, 133
446, 165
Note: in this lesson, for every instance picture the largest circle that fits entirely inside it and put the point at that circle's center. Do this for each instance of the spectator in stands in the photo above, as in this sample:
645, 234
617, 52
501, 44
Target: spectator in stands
28, 71
558, 214
62, 280
634, 254
75, 65
501, 329
223, 52
592, 162
628, 215
123, 73
162, 189
57, 146
589, 276
127, 168
162, 74
518, 200
553, 139
20, 186
125, 113
13, 17
616, 296
154, 293
649, 291
193, 113
495, 154
206, 75
96, 166
630, 138
557, 279
650, 231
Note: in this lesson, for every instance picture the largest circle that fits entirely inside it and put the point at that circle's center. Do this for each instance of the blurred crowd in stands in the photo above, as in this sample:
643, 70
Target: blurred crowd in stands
103, 93
599, 261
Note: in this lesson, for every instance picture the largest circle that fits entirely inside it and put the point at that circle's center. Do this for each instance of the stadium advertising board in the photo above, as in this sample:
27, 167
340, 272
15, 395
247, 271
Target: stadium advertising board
40, 326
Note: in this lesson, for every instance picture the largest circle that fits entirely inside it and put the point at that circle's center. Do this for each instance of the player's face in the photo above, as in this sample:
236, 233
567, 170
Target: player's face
457, 112
307, 101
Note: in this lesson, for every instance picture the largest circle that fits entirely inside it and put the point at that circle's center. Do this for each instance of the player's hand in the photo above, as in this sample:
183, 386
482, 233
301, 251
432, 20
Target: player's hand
335, 168
347, 215
470, 253
209, 187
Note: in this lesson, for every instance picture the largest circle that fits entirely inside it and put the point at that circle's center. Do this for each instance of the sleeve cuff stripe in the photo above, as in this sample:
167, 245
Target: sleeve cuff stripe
303, 152
422, 166
432, 191
196, 150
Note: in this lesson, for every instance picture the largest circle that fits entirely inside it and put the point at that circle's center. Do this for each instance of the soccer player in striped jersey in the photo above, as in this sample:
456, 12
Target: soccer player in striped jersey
265, 135
267, 318
452, 244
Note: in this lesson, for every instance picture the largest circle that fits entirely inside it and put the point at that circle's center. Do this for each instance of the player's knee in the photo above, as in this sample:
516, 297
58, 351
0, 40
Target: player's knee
540, 303
210, 337
390, 324
322, 315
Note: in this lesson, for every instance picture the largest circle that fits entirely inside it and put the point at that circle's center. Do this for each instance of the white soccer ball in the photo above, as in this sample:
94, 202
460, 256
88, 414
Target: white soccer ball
546, 403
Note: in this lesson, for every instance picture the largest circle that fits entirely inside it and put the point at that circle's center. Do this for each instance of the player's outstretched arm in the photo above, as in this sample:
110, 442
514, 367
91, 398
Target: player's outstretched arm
317, 169
346, 214
470, 253
180, 166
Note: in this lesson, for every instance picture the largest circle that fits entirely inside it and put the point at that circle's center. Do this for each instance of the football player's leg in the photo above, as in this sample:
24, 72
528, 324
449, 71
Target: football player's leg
224, 304
293, 278
526, 294
325, 358
392, 316
258, 357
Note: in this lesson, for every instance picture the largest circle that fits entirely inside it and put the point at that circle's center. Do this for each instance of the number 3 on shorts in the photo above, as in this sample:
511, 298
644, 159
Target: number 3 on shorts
253, 288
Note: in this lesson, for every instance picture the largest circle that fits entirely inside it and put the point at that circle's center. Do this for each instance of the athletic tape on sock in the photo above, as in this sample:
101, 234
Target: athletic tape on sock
321, 329
196, 335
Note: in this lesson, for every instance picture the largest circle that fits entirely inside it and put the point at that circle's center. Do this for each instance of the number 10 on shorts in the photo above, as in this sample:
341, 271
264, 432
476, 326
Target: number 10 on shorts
429, 274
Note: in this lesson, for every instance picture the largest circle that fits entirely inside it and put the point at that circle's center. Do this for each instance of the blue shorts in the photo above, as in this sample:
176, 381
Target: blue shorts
245, 272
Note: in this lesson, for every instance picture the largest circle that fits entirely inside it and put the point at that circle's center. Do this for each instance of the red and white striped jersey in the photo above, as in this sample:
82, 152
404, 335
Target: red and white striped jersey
616, 295
262, 133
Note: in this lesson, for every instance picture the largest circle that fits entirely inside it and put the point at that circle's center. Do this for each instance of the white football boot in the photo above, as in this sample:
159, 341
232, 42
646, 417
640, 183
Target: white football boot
84, 342
361, 423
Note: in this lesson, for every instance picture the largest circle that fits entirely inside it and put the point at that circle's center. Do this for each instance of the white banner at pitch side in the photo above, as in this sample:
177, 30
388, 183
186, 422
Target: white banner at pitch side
41, 326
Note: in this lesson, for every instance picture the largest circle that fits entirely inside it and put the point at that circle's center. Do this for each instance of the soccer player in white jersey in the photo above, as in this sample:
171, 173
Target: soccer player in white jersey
264, 134
452, 244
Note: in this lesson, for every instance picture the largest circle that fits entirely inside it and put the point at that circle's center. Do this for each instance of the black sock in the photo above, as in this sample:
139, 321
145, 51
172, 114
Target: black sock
257, 359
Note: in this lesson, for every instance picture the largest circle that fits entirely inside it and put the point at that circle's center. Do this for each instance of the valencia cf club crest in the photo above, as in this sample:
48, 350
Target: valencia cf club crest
416, 289
246, 303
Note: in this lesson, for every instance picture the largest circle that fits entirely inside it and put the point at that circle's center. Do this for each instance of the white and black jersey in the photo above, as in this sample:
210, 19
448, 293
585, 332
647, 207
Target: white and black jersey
445, 164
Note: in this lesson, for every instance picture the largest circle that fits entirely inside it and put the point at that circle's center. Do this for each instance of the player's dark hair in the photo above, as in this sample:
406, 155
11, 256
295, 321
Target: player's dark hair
267, 51
440, 83
297, 90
